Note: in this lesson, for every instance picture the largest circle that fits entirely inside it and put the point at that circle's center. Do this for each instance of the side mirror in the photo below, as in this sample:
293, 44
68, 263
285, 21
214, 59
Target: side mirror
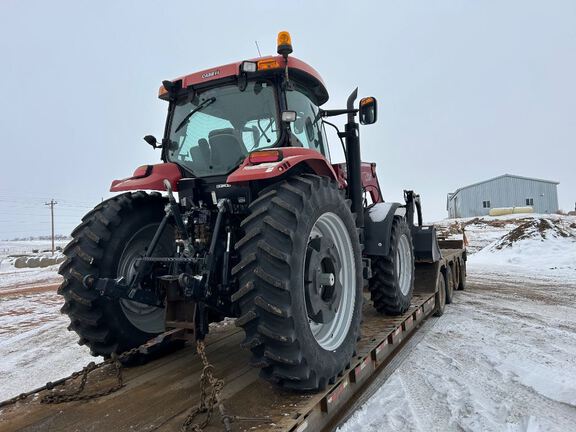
368, 110
152, 141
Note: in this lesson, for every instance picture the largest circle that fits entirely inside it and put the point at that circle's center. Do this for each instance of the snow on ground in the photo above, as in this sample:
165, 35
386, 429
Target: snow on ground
11, 276
503, 356
26, 276
35, 346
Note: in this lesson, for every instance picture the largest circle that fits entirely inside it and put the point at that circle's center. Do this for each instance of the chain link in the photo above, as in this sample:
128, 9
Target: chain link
114, 361
208, 382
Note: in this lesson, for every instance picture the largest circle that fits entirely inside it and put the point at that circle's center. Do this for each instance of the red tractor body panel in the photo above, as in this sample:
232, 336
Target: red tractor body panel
233, 69
368, 176
149, 177
292, 156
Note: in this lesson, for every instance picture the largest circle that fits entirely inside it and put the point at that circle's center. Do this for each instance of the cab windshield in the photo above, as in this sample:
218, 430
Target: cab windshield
212, 133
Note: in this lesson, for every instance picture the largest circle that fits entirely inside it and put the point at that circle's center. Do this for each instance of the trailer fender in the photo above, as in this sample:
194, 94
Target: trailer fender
378, 227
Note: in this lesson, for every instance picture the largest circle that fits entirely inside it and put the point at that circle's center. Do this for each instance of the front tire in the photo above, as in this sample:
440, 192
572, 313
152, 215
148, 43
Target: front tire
301, 323
392, 282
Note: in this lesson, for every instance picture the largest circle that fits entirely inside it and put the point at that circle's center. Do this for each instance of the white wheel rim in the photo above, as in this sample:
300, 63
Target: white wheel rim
331, 335
403, 264
146, 318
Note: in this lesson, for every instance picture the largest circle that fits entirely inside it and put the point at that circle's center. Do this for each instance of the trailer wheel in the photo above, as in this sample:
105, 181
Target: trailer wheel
440, 298
456, 274
449, 285
105, 245
392, 282
462, 275
300, 279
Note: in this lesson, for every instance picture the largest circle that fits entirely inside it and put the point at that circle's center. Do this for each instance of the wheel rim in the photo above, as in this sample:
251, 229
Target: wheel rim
442, 292
404, 264
146, 318
341, 300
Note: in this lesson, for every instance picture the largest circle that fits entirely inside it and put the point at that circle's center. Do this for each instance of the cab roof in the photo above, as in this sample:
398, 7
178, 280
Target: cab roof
298, 69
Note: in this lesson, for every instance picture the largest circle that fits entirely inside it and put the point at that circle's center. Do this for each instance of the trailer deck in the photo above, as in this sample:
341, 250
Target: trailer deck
159, 395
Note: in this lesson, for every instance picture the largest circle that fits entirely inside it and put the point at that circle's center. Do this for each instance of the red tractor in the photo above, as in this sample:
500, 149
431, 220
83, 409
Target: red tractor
264, 228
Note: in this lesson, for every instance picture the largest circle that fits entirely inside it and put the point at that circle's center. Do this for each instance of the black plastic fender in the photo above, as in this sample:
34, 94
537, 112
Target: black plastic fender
378, 227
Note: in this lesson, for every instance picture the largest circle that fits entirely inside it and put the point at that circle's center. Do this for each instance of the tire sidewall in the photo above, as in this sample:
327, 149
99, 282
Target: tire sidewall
316, 206
440, 294
403, 230
449, 285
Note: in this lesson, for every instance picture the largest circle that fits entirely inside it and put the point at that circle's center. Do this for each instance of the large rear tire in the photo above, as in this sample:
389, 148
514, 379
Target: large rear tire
105, 245
392, 282
300, 279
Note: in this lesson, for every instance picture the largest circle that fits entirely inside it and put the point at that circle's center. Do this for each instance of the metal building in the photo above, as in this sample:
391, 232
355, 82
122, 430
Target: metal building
503, 191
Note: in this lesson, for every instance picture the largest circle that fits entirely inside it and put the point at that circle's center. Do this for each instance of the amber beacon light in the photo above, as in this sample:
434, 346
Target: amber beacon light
284, 43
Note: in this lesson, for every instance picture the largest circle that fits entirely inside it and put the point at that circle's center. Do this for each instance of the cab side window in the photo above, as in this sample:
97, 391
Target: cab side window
308, 126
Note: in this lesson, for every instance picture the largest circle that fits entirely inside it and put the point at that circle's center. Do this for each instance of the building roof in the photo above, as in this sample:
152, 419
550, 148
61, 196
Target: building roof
451, 195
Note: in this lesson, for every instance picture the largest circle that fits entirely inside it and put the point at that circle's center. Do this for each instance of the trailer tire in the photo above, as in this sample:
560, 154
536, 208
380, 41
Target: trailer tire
462, 275
391, 292
293, 225
97, 248
440, 298
449, 285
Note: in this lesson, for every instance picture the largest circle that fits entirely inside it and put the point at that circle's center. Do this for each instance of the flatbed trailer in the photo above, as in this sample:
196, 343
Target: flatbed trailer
157, 396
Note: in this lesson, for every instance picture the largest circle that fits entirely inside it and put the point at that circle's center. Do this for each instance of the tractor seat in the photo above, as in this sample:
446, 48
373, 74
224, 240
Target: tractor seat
226, 149
200, 154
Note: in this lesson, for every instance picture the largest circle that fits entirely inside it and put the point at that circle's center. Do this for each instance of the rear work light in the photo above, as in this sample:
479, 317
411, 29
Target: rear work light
249, 66
263, 156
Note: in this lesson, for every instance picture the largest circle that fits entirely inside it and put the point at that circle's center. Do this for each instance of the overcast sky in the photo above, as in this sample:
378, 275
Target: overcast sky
467, 90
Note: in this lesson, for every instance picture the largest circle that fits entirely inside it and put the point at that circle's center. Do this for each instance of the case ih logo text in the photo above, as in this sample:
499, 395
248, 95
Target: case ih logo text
211, 74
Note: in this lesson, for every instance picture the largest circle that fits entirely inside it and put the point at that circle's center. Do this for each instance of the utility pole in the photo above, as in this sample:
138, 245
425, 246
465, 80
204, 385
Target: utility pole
52, 203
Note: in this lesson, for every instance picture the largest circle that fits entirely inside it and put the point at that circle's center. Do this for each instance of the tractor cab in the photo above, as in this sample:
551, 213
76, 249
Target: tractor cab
217, 117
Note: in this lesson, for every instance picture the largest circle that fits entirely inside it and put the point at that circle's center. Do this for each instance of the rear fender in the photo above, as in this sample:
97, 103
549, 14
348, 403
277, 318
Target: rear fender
291, 157
149, 177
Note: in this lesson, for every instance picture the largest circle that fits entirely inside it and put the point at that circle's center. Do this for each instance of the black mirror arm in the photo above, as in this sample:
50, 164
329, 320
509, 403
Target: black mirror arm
337, 112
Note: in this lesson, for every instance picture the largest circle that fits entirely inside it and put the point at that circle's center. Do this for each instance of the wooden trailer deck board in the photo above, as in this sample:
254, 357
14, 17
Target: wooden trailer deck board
158, 395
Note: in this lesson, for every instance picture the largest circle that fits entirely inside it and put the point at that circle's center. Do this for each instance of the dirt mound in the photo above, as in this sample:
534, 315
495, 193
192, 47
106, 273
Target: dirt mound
457, 227
534, 229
